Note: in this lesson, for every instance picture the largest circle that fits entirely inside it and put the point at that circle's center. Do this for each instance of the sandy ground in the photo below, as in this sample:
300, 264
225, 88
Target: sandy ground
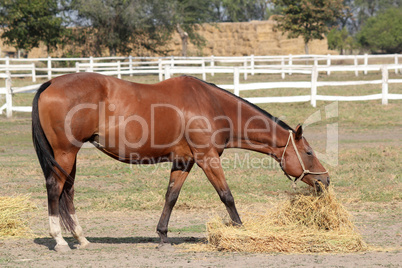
129, 240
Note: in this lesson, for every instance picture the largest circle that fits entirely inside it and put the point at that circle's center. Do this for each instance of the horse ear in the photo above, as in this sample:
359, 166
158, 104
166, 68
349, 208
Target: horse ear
299, 132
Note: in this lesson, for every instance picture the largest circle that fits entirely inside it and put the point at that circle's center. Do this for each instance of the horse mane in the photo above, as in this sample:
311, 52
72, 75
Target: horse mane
270, 116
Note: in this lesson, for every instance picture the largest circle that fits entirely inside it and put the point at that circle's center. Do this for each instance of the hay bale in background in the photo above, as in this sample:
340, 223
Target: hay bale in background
305, 223
11, 222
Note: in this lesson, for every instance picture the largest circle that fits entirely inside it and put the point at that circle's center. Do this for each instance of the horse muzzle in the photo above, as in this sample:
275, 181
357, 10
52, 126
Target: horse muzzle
322, 182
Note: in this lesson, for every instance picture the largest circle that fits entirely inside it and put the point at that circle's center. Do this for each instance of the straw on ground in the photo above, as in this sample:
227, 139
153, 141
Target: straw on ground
304, 223
12, 222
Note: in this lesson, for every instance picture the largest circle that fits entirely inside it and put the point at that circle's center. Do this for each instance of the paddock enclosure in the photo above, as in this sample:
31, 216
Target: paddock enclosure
119, 204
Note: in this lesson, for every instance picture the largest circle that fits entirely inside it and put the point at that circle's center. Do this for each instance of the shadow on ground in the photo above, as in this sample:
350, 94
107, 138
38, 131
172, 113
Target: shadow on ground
50, 243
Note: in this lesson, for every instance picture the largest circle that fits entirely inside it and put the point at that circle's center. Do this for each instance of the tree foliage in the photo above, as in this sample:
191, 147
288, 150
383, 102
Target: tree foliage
340, 40
184, 16
27, 22
383, 33
119, 25
240, 10
123, 25
307, 18
367, 9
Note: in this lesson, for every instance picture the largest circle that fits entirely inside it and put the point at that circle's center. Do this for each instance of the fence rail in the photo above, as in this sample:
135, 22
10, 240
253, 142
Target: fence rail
236, 66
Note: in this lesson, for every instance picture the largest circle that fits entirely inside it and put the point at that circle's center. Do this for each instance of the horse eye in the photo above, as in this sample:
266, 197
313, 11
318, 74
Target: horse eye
309, 153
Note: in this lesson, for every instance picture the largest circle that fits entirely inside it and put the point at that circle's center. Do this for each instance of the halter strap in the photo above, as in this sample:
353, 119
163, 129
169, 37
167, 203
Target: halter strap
305, 171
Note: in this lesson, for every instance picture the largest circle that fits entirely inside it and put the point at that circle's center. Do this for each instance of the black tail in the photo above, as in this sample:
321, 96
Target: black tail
47, 162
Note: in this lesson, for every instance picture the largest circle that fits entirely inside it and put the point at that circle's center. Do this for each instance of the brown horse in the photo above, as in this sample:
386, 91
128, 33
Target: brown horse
182, 120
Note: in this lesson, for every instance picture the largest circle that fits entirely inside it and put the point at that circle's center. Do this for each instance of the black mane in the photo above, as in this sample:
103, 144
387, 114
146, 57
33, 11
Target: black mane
270, 116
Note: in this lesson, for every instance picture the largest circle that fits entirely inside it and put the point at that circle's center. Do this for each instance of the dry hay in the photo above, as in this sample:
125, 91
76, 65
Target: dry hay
11, 222
305, 223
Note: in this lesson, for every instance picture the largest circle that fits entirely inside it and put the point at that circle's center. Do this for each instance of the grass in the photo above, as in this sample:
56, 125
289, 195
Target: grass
368, 167
199, 228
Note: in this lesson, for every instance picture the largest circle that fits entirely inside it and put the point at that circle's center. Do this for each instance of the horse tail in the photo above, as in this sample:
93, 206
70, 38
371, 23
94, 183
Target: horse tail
47, 161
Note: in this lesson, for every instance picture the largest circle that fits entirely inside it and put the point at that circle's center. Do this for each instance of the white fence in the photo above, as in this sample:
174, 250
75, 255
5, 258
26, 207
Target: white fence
250, 65
313, 97
52, 67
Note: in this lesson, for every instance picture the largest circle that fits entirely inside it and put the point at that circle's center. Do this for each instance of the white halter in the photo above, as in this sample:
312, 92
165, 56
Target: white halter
305, 171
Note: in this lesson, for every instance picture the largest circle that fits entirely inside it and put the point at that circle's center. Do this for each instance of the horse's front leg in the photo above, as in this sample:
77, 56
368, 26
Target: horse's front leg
211, 165
178, 175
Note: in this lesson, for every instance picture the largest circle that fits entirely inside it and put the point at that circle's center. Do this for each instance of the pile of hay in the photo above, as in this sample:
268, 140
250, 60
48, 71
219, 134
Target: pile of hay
11, 222
305, 223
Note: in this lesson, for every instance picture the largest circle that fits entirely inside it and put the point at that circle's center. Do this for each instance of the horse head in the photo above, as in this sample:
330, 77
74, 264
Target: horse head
299, 160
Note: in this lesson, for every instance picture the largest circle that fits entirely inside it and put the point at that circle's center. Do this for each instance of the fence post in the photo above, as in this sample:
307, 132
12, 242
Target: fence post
356, 64
252, 64
245, 68
328, 64
9, 98
384, 71
283, 70
33, 73
91, 64
160, 69
396, 63
236, 81
167, 72
365, 62
49, 68
212, 64
77, 67
290, 64
8, 66
314, 76
204, 73
118, 70
130, 59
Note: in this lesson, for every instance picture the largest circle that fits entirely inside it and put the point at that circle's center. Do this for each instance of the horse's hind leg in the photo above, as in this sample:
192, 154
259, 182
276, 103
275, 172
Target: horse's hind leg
58, 199
178, 175
77, 230
60, 191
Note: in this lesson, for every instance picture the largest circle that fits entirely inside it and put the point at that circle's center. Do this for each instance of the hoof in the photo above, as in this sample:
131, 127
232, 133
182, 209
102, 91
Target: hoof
83, 244
62, 248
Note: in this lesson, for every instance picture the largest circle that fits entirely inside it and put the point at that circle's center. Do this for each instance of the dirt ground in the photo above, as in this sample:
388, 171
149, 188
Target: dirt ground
129, 240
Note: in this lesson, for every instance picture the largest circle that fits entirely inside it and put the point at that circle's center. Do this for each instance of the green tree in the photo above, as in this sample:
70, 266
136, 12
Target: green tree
105, 22
120, 25
340, 40
123, 25
383, 33
366, 9
27, 22
307, 18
